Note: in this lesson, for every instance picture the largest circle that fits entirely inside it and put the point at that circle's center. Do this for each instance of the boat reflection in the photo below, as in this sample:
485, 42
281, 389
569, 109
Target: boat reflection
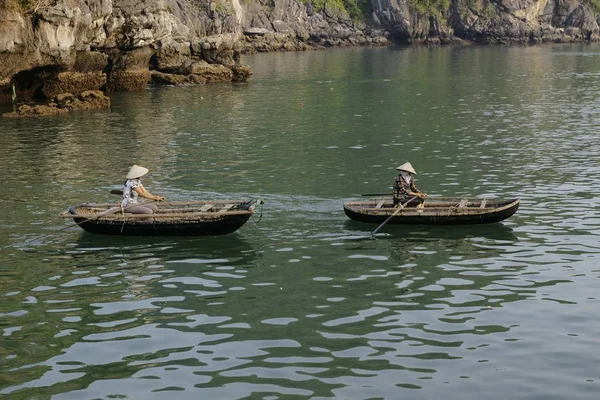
146, 266
124, 249
487, 231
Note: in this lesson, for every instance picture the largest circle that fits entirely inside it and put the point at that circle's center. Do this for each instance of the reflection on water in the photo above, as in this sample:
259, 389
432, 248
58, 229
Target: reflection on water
304, 304
498, 231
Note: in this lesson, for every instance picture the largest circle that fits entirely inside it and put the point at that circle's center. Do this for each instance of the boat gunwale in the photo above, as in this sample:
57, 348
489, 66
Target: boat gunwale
110, 212
179, 216
166, 203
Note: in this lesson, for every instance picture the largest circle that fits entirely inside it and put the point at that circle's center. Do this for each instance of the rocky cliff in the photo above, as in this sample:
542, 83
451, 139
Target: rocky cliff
70, 46
488, 21
48, 47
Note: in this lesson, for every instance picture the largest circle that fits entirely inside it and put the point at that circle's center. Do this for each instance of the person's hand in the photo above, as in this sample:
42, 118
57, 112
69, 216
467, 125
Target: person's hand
159, 198
423, 195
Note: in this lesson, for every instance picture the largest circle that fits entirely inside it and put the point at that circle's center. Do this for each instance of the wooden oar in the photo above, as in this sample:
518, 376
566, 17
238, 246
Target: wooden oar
431, 197
376, 194
391, 216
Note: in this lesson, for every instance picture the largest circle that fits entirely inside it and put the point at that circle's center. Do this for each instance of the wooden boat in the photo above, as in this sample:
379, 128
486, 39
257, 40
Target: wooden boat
175, 218
437, 211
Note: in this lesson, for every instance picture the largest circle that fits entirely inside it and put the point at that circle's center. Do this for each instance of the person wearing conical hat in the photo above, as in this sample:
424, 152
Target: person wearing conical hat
405, 189
132, 188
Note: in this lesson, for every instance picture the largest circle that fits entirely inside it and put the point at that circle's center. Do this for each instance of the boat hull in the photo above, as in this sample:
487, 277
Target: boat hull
188, 218
223, 226
432, 215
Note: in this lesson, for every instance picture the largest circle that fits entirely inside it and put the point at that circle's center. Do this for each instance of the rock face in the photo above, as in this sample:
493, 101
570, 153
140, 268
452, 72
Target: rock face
63, 103
486, 21
48, 47
293, 25
296, 25
57, 46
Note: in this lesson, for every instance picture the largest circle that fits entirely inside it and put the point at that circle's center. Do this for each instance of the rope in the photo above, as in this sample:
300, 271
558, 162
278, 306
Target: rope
261, 213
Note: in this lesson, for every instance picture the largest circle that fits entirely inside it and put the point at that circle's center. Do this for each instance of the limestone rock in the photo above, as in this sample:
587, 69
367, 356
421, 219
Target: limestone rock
505, 21
79, 45
62, 104
61, 100
72, 82
174, 58
162, 78
213, 73
241, 73
90, 61
128, 80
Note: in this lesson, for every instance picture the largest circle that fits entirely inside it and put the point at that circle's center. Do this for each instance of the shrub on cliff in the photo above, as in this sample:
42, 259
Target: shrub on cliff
358, 10
595, 4
23, 6
437, 8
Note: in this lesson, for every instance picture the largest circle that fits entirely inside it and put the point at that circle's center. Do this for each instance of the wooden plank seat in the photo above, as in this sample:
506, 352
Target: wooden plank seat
380, 204
206, 207
483, 203
226, 207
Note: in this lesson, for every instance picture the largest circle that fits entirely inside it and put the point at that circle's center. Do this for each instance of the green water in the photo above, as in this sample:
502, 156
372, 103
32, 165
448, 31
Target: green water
299, 304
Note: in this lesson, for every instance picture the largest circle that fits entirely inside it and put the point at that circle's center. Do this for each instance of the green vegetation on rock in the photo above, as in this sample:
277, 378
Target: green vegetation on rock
18, 5
223, 8
595, 4
358, 10
486, 10
432, 7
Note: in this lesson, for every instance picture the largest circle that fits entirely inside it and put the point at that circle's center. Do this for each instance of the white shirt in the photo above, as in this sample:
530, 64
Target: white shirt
130, 196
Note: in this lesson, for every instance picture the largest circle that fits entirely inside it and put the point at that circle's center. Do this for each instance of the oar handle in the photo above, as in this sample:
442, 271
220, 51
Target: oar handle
376, 194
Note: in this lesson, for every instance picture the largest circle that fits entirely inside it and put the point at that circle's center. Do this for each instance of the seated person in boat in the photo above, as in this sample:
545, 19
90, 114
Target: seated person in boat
405, 189
133, 188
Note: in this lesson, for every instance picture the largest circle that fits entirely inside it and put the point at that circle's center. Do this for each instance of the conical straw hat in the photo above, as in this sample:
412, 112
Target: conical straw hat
407, 167
136, 171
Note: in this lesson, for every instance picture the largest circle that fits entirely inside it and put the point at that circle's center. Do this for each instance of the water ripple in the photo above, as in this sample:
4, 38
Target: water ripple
305, 304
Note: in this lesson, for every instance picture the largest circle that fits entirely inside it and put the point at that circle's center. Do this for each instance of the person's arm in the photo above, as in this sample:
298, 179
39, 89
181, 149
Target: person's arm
414, 191
141, 191
397, 188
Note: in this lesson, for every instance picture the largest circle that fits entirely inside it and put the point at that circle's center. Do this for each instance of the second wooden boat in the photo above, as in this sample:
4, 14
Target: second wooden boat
437, 211
175, 218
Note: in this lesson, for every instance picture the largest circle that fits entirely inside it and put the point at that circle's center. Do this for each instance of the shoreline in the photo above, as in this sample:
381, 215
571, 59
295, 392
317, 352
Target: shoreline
68, 47
64, 103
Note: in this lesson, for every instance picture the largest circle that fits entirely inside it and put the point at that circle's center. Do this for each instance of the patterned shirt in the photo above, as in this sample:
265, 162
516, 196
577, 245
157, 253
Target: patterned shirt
401, 187
130, 196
